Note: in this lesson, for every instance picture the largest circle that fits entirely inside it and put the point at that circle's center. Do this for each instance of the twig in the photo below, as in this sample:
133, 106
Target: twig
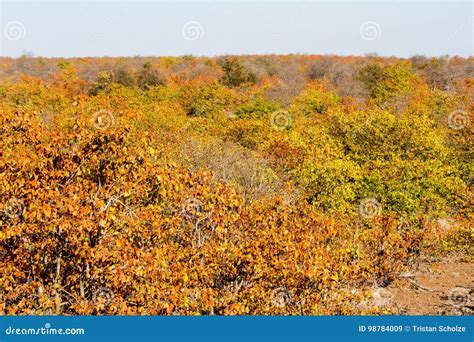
421, 287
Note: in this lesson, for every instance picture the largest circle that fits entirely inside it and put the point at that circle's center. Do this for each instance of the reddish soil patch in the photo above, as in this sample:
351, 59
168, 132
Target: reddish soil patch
443, 287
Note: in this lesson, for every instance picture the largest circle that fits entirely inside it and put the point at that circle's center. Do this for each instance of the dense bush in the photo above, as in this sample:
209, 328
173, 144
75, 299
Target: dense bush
206, 99
153, 191
235, 74
386, 83
314, 100
149, 77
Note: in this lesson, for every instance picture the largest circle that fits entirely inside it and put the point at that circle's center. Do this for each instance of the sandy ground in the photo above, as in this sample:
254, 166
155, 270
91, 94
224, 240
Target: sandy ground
442, 287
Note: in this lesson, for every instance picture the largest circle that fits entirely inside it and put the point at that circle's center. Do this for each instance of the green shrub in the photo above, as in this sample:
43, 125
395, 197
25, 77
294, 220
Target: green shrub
235, 74
258, 107
149, 77
386, 83
314, 100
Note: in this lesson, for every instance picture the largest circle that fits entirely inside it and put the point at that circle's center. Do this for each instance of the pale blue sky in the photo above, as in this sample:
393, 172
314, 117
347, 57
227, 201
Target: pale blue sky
127, 28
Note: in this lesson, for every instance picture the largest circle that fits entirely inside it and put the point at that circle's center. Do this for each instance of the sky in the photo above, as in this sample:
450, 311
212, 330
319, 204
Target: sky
219, 27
